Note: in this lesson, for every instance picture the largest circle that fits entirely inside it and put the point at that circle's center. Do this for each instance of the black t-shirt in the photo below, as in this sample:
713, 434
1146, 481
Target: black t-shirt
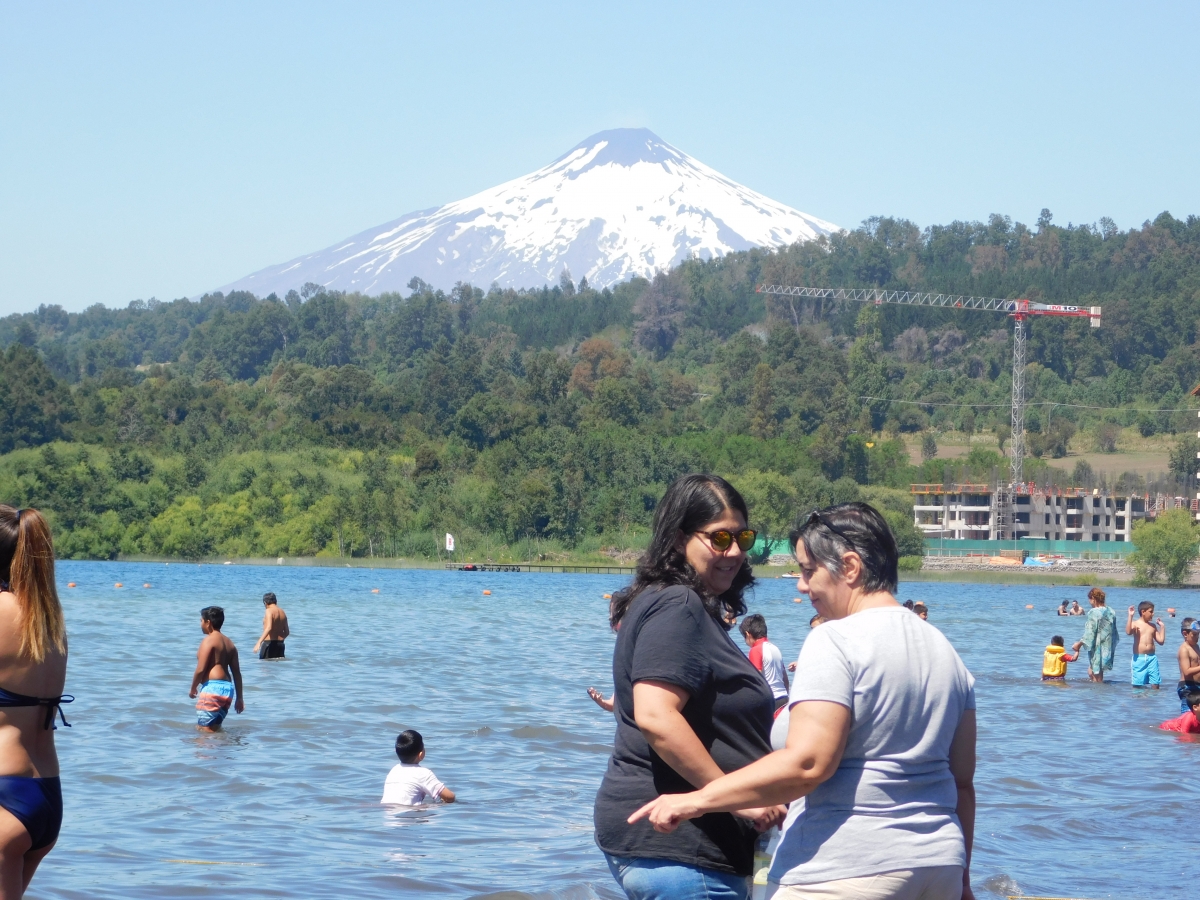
668, 636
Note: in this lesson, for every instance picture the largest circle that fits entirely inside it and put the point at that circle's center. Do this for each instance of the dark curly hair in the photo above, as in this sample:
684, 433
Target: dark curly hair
690, 503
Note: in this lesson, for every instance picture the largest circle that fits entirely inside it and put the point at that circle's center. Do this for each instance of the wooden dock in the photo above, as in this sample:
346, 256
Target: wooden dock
540, 567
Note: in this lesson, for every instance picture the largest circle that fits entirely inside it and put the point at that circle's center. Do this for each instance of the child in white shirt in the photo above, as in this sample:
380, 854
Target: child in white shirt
408, 784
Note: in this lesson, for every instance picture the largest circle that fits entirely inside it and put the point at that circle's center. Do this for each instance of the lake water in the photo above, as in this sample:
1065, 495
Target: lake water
1079, 794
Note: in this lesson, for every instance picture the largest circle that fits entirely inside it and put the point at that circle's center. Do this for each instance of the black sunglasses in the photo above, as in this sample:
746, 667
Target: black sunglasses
817, 519
722, 539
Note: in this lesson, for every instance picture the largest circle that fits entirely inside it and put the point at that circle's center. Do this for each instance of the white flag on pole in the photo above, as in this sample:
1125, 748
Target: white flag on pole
449, 542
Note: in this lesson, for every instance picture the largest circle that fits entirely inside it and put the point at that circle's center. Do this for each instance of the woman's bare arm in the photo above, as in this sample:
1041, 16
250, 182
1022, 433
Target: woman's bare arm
658, 712
816, 741
962, 767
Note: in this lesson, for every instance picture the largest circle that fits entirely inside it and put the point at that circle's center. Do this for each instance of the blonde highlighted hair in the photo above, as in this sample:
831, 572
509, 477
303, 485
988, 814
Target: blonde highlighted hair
27, 568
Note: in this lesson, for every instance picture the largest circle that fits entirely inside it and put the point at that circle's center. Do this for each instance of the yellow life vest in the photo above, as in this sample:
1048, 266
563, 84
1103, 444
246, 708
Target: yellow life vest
1053, 663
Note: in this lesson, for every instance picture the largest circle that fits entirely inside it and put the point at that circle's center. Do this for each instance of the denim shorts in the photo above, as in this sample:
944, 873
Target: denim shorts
664, 879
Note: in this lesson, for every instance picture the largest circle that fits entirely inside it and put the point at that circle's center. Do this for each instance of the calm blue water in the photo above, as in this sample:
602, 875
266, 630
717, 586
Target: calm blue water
1079, 795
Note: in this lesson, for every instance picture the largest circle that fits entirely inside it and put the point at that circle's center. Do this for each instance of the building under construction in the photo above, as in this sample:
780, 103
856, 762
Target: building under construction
987, 512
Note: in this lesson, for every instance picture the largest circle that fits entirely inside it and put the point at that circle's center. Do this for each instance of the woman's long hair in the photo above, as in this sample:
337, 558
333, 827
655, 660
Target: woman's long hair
690, 503
27, 568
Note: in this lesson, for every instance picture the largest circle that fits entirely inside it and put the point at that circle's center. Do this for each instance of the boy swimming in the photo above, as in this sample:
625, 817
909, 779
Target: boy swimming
1188, 722
1144, 666
408, 784
1055, 659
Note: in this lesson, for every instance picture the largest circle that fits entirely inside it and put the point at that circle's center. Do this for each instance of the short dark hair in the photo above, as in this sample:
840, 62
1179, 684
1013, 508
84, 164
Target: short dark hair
690, 503
1186, 625
754, 626
908, 604
214, 616
1144, 605
851, 527
1193, 699
269, 598
919, 608
1056, 641
409, 746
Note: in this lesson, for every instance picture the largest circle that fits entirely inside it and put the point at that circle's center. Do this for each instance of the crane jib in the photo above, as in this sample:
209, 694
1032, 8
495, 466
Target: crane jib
1019, 307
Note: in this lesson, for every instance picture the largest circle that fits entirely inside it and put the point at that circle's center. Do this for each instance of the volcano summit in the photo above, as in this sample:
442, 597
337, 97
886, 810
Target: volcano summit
621, 203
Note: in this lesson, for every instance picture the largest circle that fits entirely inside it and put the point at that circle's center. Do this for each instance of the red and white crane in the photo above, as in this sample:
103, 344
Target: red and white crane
1019, 309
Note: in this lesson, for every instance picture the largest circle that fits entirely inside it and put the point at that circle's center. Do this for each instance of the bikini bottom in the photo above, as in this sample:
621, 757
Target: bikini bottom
37, 804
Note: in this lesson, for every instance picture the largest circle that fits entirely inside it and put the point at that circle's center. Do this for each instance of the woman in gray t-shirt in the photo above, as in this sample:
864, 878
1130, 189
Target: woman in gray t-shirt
881, 742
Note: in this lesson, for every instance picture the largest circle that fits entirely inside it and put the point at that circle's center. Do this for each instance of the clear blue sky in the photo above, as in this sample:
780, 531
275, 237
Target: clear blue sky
164, 149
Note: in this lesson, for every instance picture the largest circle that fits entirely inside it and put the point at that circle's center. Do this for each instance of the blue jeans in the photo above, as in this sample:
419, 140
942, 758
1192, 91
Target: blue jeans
664, 879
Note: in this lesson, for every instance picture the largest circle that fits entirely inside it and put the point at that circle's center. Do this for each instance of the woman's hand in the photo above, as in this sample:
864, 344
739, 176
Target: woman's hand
605, 703
764, 817
667, 811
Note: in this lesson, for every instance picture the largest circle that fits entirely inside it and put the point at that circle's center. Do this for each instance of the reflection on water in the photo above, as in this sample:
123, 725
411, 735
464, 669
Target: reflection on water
1079, 793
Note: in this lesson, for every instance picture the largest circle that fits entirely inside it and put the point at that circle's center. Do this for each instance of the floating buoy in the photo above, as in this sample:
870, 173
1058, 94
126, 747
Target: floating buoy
798, 600
608, 596
1171, 611
1029, 606
147, 584
374, 590
487, 593
118, 584
70, 584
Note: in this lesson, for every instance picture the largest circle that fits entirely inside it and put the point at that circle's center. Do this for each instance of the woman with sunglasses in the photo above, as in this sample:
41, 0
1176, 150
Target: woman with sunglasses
881, 742
689, 705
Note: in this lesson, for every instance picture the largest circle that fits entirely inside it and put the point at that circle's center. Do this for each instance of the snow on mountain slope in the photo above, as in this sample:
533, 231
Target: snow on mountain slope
621, 203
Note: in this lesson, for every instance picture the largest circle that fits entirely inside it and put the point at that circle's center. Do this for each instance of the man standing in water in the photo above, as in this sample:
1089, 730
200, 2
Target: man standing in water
275, 630
216, 662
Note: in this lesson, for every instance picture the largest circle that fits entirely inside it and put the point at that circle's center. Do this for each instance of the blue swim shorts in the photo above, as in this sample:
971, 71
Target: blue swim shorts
212, 706
1144, 669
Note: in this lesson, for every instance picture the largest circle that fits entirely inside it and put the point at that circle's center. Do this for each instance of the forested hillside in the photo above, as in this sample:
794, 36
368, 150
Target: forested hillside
527, 422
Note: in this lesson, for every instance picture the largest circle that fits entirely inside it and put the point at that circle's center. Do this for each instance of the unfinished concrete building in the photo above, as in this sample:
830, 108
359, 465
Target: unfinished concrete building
986, 512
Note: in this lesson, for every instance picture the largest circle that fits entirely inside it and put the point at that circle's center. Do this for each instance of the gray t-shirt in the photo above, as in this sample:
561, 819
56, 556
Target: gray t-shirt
890, 805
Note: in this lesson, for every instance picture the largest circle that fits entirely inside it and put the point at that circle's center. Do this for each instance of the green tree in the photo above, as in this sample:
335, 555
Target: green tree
929, 447
1166, 548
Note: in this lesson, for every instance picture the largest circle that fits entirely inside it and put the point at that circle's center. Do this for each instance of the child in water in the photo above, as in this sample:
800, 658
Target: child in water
408, 784
1189, 722
1189, 662
1054, 662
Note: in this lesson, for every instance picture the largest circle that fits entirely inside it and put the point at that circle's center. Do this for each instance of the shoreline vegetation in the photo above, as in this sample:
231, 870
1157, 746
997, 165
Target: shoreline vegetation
964, 573
544, 424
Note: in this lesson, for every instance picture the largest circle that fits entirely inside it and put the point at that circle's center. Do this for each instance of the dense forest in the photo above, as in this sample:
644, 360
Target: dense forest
535, 422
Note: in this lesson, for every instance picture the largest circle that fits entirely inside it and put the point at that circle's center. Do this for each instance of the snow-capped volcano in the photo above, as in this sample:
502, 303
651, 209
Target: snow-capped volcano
621, 203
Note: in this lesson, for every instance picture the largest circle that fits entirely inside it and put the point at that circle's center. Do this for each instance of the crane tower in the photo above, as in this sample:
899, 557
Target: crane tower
1020, 310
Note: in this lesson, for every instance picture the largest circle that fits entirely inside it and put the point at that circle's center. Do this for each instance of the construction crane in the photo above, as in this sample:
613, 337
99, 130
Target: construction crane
1020, 310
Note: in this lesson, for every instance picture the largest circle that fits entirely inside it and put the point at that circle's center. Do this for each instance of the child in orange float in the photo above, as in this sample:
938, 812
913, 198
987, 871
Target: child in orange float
1054, 662
1189, 722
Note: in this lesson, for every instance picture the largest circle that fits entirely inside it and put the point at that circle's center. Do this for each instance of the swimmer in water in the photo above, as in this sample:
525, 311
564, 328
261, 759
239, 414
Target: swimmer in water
216, 664
33, 660
1063, 610
1188, 722
275, 629
410, 783
921, 610
1076, 609
1189, 662
1055, 659
1144, 667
